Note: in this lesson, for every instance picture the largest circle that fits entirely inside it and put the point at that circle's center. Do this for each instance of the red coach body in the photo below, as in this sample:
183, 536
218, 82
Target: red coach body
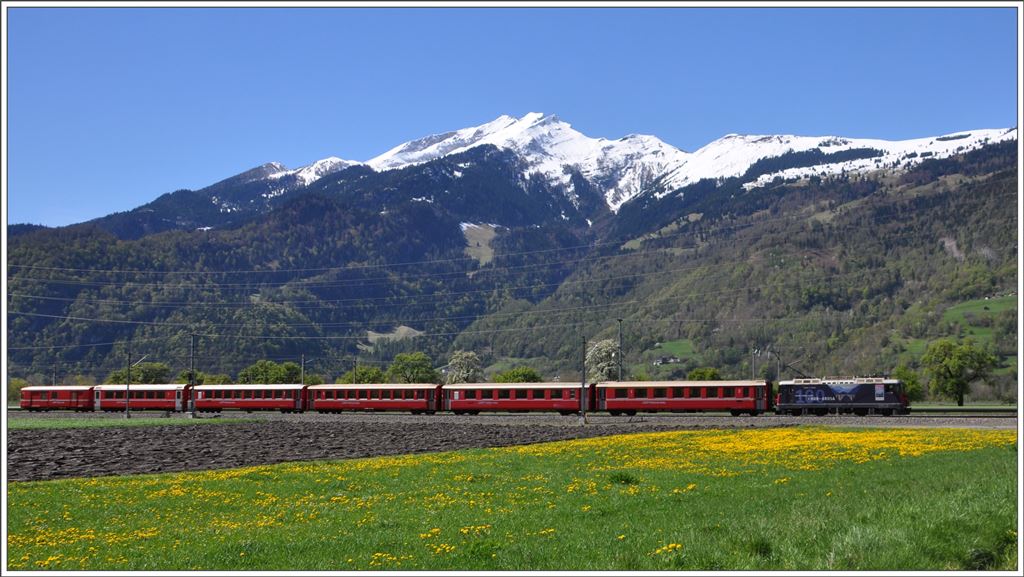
284, 398
630, 397
58, 397
471, 398
416, 398
173, 397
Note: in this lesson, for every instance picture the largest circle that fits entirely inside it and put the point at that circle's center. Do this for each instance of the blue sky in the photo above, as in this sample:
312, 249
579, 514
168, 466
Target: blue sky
109, 108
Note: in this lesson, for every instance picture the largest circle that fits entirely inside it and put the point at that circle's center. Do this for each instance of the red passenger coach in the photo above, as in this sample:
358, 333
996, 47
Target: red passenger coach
472, 398
629, 397
172, 397
66, 398
284, 398
416, 398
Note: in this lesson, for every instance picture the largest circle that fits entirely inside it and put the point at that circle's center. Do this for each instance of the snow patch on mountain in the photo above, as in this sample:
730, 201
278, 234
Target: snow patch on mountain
896, 154
622, 168
319, 169
636, 164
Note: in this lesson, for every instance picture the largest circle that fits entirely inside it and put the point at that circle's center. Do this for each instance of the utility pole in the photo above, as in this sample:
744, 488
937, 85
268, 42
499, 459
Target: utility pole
192, 375
355, 367
620, 349
128, 382
583, 382
302, 371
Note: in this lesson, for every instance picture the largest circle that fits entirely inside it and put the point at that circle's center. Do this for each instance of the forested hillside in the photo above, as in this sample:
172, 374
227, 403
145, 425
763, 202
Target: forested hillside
846, 274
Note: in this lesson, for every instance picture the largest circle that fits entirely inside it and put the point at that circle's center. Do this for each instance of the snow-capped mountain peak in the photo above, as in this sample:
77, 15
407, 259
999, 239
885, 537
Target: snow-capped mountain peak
636, 164
309, 174
547, 145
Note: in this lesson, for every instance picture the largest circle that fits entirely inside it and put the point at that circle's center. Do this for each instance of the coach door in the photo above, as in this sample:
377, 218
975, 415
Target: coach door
759, 396
177, 400
96, 399
298, 399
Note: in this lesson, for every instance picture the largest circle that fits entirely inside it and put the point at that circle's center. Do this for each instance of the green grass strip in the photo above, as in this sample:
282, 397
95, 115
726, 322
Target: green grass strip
118, 421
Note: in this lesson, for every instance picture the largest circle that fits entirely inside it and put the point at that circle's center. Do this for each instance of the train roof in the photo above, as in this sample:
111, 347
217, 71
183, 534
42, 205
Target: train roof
237, 387
142, 387
57, 388
350, 386
547, 385
842, 381
636, 384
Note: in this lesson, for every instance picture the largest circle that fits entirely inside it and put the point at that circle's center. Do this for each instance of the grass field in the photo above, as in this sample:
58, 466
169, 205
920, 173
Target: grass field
119, 421
682, 348
979, 307
804, 498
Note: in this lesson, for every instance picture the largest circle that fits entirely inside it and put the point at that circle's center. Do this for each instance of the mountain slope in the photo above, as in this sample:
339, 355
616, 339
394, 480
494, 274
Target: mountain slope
565, 163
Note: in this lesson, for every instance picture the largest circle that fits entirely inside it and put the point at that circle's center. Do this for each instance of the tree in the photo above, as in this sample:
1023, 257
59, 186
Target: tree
260, 372
148, 373
463, 367
911, 382
363, 375
704, 374
601, 361
268, 372
14, 386
290, 372
412, 368
183, 377
518, 375
952, 367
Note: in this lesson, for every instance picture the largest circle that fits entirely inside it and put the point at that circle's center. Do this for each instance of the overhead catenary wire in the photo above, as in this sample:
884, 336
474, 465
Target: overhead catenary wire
548, 311
401, 264
313, 283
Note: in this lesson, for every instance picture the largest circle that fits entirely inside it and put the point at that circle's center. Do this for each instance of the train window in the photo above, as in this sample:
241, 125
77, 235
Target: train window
374, 394
250, 394
677, 392
118, 394
620, 393
694, 392
503, 393
572, 393
659, 393
538, 393
44, 395
728, 392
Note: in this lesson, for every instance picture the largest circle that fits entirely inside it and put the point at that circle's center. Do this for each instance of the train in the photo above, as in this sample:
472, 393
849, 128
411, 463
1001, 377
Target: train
861, 396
